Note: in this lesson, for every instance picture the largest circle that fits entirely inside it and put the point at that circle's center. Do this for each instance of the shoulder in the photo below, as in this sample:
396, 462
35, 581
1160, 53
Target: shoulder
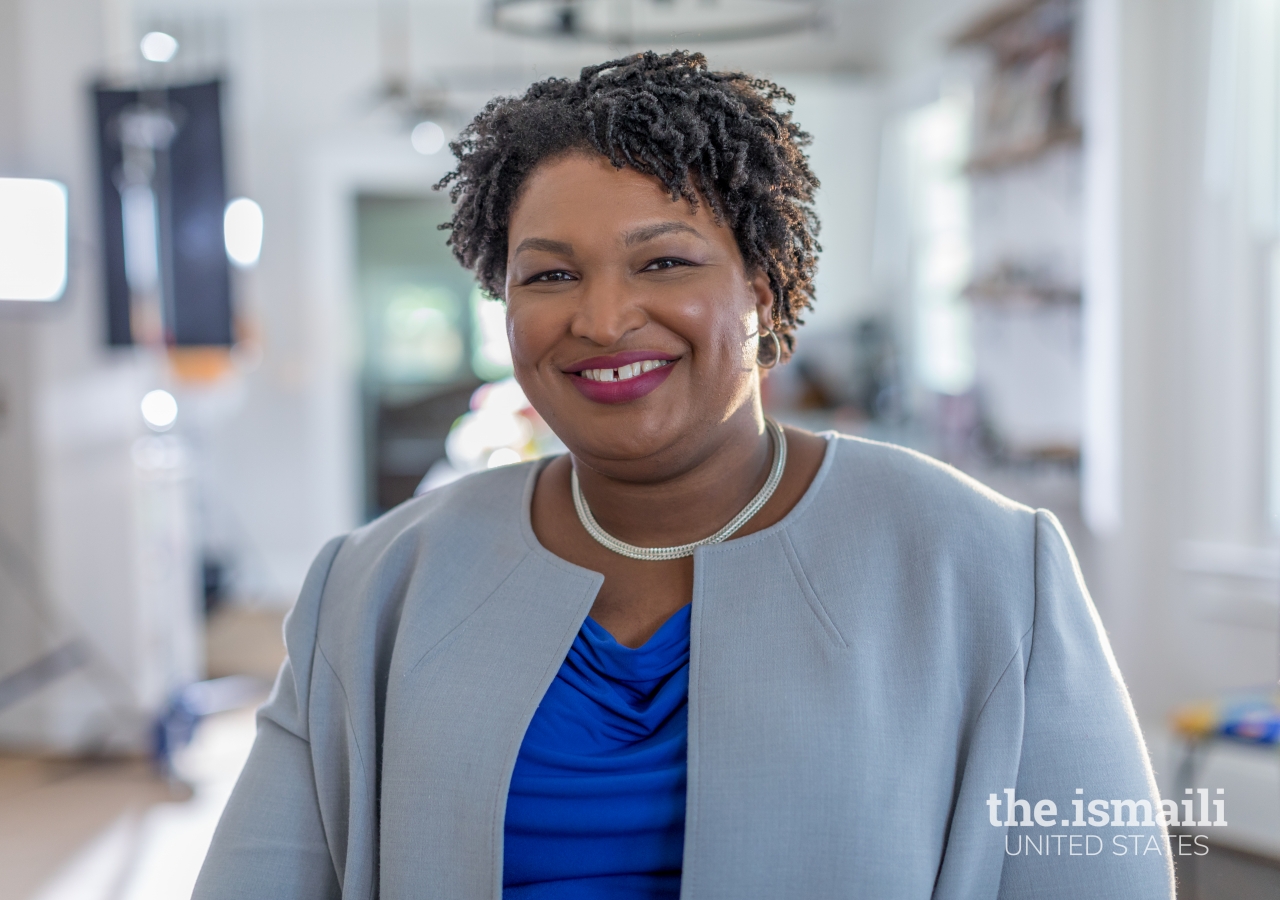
896, 535
435, 549
898, 489
481, 508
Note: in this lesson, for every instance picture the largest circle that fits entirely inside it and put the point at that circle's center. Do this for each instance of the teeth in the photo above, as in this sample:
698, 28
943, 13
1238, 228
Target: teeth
623, 373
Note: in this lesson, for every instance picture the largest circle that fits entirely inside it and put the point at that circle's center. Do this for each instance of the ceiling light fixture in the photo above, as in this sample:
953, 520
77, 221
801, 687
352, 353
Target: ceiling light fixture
427, 138
156, 46
625, 22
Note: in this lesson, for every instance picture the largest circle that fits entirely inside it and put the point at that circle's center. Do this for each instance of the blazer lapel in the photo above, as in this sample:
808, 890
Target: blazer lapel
455, 722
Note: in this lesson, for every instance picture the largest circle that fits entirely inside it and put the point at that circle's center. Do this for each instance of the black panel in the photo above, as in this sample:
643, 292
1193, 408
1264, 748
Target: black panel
190, 193
108, 105
200, 309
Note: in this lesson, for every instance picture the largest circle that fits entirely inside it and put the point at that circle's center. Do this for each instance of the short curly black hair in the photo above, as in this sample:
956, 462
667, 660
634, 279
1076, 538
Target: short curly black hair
715, 135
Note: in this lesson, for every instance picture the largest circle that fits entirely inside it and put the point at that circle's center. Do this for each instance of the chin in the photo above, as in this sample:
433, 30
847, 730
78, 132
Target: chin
630, 436
621, 433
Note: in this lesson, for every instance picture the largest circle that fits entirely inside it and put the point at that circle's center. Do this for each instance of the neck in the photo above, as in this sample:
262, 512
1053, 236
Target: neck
685, 493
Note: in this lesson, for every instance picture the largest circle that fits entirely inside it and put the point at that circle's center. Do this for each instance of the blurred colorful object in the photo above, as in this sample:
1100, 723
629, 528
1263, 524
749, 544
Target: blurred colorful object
501, 428
1252, 718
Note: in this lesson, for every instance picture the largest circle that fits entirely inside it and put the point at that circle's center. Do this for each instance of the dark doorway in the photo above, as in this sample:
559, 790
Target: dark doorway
422, 348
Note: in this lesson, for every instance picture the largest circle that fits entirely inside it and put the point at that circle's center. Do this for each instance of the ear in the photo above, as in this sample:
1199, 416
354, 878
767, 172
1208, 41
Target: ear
759, 282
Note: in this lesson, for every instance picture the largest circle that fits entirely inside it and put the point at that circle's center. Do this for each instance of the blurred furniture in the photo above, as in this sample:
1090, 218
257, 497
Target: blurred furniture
1247, 717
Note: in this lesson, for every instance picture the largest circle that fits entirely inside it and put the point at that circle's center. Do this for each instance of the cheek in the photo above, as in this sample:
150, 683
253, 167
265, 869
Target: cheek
723, 326
531, 330
750, 331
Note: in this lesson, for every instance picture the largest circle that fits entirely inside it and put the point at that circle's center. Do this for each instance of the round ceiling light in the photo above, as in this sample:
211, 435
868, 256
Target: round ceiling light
427, 138
159, 410
654, 21
157, 46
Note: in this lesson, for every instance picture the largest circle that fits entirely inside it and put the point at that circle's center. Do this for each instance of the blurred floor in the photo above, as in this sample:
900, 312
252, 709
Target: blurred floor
113, 830
74, 829
1226, 874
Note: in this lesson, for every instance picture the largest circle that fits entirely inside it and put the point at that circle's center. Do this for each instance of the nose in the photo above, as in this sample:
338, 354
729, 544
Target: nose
606, 312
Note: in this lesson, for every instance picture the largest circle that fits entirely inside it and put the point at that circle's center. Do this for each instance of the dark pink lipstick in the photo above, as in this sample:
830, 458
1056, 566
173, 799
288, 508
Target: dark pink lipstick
620, 391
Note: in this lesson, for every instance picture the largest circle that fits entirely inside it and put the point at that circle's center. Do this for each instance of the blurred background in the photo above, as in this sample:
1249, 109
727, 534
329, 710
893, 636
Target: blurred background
230, 329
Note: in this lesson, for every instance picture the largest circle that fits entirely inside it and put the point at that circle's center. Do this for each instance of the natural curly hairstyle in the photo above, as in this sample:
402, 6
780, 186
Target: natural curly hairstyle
705, 135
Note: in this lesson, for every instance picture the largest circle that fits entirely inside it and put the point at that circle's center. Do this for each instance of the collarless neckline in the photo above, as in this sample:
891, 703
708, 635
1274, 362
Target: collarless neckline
793, 514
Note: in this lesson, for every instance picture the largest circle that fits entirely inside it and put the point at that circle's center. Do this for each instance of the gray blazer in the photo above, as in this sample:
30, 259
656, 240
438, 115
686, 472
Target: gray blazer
864, 676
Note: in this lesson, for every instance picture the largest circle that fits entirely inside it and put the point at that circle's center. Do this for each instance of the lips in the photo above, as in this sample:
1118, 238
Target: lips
620, 377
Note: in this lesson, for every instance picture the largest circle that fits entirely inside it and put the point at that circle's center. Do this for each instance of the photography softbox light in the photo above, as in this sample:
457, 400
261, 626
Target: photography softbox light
163, 195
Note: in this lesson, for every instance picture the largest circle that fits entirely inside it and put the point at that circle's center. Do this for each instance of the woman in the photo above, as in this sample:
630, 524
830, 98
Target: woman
846, 670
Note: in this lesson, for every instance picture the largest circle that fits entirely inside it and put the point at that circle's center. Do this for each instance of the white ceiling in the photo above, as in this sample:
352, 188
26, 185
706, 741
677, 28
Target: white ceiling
857, 35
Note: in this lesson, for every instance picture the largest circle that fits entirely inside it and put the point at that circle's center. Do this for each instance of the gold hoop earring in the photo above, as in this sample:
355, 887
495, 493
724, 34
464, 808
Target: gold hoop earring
774, 356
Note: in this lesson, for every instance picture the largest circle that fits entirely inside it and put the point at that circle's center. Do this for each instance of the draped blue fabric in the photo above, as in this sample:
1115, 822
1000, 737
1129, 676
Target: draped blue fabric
596, 805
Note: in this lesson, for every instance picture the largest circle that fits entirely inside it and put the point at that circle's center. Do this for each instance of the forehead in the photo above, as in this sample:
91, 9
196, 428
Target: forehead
586, 195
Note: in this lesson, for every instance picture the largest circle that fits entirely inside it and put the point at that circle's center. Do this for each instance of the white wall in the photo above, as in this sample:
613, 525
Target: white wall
75, 504
1195, 365
1189, 586
842, 113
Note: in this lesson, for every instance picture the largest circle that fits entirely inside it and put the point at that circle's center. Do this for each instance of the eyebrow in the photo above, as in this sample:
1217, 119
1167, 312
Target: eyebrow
649, 232
630, 239
545, 244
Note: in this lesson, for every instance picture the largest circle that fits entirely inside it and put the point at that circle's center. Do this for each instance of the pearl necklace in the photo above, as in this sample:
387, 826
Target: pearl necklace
660, 553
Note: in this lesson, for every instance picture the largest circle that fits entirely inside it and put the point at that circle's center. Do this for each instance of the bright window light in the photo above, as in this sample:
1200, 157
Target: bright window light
242, 231
33, 239
937, 144
156, 46
427, 138
159, 410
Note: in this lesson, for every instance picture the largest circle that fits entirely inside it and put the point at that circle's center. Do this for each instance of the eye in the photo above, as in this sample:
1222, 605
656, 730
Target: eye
667, 262
549, 277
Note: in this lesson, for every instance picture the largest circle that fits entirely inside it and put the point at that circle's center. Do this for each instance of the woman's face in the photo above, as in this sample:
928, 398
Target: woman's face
633, 321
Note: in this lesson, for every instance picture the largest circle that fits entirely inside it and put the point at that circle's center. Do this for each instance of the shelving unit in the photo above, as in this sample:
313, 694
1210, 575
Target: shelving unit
1025, 184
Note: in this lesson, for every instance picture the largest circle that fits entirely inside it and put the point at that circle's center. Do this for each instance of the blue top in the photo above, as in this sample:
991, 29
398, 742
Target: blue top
596, 805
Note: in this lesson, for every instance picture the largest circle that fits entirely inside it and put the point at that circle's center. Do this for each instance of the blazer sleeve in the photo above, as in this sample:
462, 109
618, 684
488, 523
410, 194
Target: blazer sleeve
271, 841
1079, 732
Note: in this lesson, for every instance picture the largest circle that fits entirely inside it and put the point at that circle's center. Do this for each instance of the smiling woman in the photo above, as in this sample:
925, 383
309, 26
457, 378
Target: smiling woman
700, 655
